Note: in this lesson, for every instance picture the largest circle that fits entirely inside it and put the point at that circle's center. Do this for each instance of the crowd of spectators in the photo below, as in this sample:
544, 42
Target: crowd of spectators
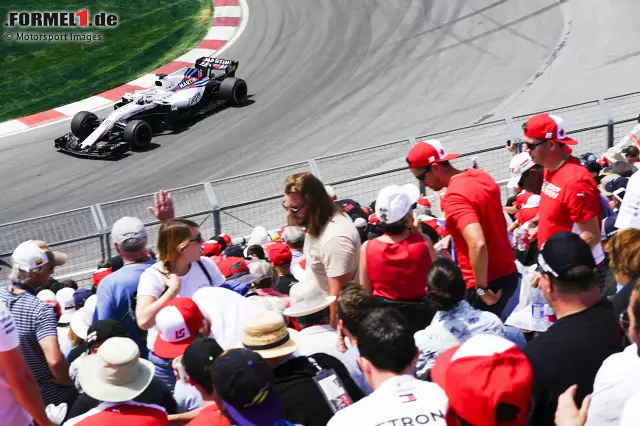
352, 314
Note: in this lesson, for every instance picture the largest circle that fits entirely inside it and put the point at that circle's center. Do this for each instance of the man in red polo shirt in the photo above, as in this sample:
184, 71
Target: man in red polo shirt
570, 199
475, 220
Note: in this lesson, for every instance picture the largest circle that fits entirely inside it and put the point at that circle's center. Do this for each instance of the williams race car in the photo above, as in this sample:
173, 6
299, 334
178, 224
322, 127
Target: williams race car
176, 97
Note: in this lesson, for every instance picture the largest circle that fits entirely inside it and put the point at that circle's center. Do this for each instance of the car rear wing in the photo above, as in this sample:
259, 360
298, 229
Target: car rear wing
216, 63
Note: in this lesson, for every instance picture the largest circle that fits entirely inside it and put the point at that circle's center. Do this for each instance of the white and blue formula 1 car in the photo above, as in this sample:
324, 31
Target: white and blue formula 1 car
175, 98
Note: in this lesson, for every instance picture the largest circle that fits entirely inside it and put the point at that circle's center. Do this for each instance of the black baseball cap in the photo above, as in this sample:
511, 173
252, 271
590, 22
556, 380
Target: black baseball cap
244, 380
563, 252
198, 359
105, 329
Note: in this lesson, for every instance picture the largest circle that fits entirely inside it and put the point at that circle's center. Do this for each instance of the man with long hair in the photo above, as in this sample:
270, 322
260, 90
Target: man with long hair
332, 245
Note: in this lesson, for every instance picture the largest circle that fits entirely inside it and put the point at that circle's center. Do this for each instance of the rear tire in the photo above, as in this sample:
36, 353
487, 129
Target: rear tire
83, 124
233, 90
138, 134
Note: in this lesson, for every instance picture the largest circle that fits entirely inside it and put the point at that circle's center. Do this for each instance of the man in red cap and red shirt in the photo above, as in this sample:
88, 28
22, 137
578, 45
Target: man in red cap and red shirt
570, 199
474, 218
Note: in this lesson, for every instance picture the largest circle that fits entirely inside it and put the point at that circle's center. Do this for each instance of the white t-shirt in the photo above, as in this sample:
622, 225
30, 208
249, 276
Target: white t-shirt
11, 412
334, 253
153, 283
616, 381
396, 401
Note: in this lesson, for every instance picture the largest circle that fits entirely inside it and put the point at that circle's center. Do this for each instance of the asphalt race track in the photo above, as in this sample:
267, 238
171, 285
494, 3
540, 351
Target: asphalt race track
332, 75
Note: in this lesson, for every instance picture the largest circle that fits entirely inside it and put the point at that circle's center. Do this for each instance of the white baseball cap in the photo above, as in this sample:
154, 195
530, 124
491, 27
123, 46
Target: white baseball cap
128, 228
394, 202
64, 297
307, 298
47, 294
28, 256
519, 164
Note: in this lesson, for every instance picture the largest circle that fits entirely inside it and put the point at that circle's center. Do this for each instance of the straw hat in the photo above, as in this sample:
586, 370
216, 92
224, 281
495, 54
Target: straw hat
307, 298
115, 373
267, 334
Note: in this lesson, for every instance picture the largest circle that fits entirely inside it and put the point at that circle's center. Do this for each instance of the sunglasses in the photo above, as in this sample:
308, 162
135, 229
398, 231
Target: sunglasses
291, 209
422, 175
197, 239
533, 146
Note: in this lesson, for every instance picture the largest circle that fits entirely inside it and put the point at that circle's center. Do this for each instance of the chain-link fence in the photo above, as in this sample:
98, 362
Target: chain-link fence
237, 204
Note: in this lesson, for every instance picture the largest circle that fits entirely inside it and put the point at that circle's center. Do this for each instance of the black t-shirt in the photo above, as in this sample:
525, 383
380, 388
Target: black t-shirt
571, 352
157, 393
302, 401
284, 283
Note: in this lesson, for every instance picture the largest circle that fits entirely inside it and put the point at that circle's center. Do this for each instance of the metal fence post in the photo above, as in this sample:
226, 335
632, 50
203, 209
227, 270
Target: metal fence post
606, 110
105, 243
104, 251
315, 170
215, 207
517, 141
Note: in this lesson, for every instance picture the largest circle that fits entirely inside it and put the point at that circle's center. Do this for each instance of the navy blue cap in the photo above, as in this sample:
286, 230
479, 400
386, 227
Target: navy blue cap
617, 187
609, 226
80, 296
563, 252
587, 158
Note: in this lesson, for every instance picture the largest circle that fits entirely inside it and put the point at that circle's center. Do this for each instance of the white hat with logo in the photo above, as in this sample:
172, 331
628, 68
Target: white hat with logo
28, 256
519, 164
394, 202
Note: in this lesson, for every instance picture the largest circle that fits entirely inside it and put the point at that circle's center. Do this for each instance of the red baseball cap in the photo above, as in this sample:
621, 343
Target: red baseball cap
211, 248
233, 265
550, 127
426, 153
279, 254
178, 322
424, 201
501, 374
99, 275
226, 238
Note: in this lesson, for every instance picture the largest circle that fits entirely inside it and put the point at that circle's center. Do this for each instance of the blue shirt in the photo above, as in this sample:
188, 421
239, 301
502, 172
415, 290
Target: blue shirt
114, 297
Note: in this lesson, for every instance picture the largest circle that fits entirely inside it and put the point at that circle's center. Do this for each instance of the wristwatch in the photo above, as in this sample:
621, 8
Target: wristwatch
480, 291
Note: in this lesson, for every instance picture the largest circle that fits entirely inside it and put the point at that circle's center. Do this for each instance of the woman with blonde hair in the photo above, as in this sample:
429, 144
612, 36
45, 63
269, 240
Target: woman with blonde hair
624, 259
180, 271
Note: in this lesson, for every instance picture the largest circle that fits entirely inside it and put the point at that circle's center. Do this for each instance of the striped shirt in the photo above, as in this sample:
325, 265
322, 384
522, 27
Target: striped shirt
36, 320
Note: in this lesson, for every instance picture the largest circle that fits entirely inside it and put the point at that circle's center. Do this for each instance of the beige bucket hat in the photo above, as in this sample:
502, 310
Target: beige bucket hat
116, 373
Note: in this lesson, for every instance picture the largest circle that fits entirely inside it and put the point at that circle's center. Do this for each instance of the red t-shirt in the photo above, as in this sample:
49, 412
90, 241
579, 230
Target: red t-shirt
521, 199
209, 416
526, 215
125, 413
569, 195
474, 197
399, 271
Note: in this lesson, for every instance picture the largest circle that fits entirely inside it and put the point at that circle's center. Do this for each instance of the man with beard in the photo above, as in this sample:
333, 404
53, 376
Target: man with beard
332, 245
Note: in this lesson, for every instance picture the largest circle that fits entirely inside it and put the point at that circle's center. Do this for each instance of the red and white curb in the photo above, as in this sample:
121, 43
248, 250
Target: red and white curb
230, 20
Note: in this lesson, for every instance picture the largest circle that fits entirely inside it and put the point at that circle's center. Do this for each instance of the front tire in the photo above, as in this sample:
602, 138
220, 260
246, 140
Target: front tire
83, 124
233, 90
138, 134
